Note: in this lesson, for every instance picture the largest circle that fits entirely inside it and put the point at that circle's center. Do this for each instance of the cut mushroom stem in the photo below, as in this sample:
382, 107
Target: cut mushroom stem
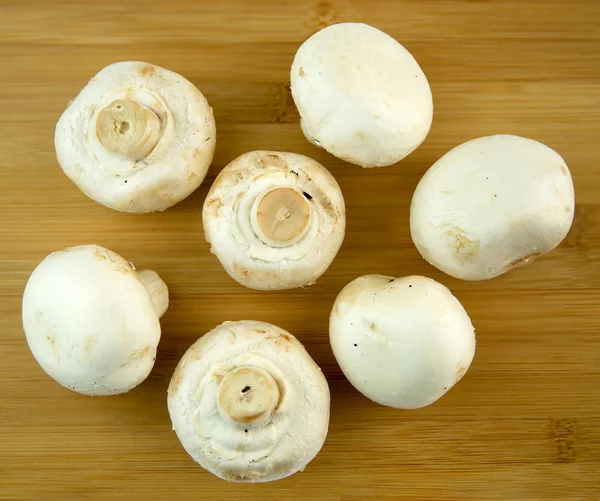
128, 129
248, 396
281, 216
157, 289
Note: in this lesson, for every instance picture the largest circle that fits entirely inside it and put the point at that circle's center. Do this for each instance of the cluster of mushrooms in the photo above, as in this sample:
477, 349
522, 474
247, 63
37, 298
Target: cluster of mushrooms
247, 401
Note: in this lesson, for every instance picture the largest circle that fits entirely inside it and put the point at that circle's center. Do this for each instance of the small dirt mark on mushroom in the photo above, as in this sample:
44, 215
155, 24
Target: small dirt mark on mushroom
460, 371
246, 388
307, 195
466, 249
147, 71
523, 260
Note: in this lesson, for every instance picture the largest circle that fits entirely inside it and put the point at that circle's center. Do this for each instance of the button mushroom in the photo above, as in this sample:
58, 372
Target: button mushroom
137, 138
402, 342
274, 220
361, 95
492, 204
248, 403
92, 321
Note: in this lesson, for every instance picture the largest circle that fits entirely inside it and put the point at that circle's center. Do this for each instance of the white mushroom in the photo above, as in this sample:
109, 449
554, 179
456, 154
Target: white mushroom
492, 204
248, 403
91, 321
361, 95
402, 342
275, 220
137, 138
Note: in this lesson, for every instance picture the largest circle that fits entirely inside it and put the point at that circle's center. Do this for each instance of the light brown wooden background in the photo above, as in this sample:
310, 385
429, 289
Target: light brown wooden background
524, 424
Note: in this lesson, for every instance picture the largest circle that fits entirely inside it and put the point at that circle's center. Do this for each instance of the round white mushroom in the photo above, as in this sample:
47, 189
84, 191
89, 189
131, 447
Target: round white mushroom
92, 321
361, 95
402, 342
248, 403
492, 204
137, 138
275, 220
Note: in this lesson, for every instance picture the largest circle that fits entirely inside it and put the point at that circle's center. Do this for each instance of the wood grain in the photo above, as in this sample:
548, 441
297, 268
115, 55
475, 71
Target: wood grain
524, 424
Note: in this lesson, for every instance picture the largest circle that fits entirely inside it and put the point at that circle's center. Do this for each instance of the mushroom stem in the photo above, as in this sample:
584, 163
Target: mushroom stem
248, 396
157, 289
282, 216
128, 129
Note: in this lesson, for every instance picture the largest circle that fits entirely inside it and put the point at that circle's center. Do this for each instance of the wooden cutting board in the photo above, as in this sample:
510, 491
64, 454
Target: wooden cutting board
524, 424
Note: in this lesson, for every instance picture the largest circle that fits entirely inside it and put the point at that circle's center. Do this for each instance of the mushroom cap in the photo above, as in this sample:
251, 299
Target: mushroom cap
273, 421
402, 342
90, 322
491, 204
231, 217
155, 180
361, 95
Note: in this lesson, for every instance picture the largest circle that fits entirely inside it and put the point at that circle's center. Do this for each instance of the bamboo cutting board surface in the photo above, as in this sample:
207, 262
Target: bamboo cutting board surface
524, 424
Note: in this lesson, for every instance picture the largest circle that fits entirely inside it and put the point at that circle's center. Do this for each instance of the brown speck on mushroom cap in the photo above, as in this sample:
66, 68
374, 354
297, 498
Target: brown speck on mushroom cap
148, 70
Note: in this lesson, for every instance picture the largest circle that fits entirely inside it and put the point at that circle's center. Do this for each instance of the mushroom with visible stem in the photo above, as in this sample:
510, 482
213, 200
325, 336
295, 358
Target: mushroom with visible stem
138, 138
248, 403
275, 220
402, 342
490, 205
92, 321
361, 95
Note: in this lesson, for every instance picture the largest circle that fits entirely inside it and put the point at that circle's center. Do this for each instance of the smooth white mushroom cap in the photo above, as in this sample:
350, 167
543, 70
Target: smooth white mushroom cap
402, 342
492, 204
275, 220
248, 403
137, 138
361, 95
91, 321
